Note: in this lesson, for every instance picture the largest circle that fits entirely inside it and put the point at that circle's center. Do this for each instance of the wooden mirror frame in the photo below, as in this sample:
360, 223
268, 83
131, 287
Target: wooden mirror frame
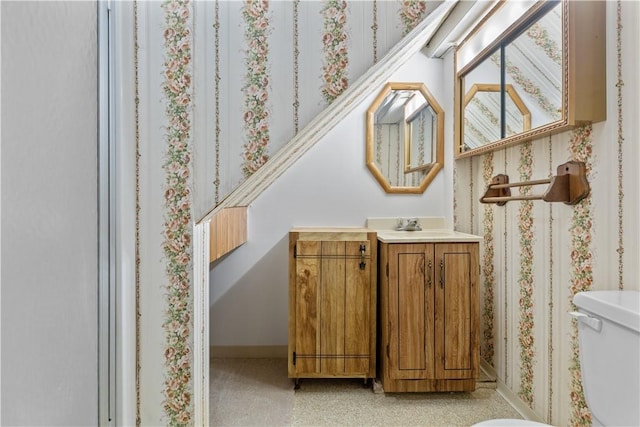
430, 169
583, 68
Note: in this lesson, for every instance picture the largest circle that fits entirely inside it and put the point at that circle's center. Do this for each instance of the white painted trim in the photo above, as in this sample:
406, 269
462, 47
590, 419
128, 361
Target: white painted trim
106, 221
367, 84
124, 184
508, 395
201, 324
0, 214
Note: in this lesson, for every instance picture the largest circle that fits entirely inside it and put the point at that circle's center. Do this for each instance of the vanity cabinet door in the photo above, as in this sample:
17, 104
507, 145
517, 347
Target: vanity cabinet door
429, 316
306, 318
331, 306
411, 309
456, 310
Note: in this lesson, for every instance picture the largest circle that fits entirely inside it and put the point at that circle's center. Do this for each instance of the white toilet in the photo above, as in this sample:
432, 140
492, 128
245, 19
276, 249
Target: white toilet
609, 339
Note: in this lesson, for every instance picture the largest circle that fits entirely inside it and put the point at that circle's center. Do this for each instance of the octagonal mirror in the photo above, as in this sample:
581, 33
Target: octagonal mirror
405, 138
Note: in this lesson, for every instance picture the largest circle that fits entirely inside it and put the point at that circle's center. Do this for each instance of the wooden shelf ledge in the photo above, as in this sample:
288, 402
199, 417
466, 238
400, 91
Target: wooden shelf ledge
227, 231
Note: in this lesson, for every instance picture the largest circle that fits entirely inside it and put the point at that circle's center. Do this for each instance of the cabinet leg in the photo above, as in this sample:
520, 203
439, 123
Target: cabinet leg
296, 384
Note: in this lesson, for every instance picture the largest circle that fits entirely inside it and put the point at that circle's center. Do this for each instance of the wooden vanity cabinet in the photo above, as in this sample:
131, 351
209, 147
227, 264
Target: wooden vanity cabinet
429, 316
332, 303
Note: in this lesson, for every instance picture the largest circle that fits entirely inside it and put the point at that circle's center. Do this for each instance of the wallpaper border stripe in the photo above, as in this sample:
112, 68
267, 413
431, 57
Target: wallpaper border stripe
488, 267
526, 322
543, 40
551, 295
411, 13
374, 29
334, 49
216, 80
255, 91
296, 68
136, 82
471, 199
619, 86
177, 226
528, 86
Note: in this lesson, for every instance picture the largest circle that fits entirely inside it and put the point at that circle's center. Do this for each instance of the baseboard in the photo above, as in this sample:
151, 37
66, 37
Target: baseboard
488, 370
248, 351
508, 395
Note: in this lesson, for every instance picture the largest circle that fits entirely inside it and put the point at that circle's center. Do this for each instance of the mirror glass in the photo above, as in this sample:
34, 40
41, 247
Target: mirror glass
483, 110
533, 65
405, 138
517, 85
422, 128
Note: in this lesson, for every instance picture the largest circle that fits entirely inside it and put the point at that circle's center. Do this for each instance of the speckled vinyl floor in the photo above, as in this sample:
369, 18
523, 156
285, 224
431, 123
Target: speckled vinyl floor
257, 392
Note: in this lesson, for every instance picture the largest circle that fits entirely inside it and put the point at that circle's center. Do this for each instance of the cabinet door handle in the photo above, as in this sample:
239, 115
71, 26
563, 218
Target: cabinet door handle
430, 278
442, 273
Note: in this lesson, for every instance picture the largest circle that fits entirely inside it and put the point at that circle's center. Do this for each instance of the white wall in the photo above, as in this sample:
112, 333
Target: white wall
329, 186
49, 214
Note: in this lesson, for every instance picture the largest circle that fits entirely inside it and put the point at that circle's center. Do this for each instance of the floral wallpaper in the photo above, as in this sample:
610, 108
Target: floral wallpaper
239, 99
256, 88
620, 112
551, 293
581, 268
217, 121
422, 138
488, 273
474, 134
561, 256
296, 67
411, 13
548, 44
276, 65
378, 137
526, 280
374, 30
255, 25
580, 235
335, 48
528, 86
178, 222
136, 80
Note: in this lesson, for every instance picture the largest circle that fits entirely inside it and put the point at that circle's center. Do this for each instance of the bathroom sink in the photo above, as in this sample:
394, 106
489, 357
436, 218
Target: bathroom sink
423, 233
434, 229
426, 235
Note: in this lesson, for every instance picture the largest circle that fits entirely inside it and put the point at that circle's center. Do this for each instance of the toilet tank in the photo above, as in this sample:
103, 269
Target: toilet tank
609, 339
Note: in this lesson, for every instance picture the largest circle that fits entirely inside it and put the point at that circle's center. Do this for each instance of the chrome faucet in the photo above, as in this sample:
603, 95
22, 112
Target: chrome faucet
413, 225
408, 224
